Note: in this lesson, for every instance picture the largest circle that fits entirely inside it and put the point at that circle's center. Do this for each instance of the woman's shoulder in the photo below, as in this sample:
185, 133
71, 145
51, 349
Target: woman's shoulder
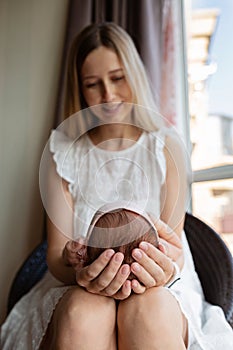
60, 141
176, 148
168, 138
66, 153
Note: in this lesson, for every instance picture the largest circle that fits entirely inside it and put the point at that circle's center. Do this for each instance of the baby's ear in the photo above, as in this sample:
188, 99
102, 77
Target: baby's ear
81, 242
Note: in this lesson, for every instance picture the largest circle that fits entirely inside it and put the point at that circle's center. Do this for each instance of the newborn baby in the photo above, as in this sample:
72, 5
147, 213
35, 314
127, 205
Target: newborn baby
121, 230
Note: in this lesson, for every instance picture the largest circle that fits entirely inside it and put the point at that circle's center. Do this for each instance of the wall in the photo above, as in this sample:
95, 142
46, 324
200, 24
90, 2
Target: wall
31, 42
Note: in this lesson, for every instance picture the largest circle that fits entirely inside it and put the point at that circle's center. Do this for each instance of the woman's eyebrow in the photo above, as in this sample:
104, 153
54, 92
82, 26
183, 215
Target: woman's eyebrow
116, 70
95, 76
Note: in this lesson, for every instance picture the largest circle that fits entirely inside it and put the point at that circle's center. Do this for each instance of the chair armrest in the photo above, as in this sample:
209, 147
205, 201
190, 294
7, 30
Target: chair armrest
28, 274
213, 262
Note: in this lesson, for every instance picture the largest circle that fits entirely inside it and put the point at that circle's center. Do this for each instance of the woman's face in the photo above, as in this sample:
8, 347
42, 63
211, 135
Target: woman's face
104, 84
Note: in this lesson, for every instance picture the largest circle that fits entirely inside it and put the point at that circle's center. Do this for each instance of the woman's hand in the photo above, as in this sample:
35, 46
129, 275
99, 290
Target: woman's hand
171, 242
106, 276
154, 266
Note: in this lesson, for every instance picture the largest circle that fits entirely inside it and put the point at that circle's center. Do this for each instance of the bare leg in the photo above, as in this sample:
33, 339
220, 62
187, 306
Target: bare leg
152, 320
82, 321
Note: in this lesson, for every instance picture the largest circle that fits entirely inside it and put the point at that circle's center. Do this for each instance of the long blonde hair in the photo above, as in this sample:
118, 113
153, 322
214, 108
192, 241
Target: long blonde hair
115, 38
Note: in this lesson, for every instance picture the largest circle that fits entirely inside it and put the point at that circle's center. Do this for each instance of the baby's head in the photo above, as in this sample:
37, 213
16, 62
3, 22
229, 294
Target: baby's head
121, 230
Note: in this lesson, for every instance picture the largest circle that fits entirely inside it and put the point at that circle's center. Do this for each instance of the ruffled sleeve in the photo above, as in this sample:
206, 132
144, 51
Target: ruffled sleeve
63, 150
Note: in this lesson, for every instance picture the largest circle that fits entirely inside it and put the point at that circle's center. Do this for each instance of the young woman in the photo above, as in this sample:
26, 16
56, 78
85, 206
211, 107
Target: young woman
121, 152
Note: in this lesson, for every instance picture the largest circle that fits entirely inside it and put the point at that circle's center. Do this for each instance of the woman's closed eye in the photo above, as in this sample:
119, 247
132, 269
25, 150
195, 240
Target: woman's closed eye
91, 85
118, 78
95, 84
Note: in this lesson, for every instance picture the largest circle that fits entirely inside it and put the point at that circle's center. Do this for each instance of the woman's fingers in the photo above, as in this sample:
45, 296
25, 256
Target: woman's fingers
169, 249
151, 253
109, 275
106, 276
144, 276
162, 246
152, 265
87, 274
137, 287
118, 281
124, 292
166, 233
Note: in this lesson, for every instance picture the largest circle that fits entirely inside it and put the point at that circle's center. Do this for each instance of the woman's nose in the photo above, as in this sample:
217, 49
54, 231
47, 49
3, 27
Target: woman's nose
108, 92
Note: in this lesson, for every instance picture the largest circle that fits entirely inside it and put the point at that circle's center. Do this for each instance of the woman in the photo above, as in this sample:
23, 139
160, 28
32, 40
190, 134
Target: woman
121, 144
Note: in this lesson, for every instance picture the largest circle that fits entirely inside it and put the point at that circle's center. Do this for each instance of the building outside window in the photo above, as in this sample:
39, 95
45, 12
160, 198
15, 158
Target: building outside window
210, 74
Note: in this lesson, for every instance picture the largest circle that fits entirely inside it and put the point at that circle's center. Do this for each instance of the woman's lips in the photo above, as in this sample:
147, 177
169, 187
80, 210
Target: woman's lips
112, 108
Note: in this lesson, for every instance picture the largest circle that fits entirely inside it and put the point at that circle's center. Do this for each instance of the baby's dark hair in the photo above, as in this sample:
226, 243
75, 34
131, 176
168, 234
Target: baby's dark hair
121, 230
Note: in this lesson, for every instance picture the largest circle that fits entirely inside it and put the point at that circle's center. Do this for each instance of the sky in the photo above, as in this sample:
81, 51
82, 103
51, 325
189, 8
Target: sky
221, 51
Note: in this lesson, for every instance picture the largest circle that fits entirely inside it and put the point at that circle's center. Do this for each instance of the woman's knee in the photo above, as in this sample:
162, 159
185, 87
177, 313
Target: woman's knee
78, 304
76, 317
78, 313
155, 308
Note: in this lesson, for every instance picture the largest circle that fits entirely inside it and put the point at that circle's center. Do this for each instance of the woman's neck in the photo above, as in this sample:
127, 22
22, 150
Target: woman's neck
118, 136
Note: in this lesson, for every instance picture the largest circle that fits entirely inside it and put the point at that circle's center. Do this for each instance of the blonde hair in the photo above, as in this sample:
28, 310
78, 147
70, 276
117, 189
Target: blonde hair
115, 38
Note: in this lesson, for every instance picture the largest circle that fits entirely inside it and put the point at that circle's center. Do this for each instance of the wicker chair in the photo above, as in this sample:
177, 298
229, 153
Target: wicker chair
28, 274
212, 259
213, 263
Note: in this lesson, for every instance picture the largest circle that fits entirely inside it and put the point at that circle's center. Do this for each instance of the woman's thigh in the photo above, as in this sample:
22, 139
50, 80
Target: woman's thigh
78, 315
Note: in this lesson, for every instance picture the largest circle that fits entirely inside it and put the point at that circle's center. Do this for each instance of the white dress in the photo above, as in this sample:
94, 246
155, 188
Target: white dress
97, 177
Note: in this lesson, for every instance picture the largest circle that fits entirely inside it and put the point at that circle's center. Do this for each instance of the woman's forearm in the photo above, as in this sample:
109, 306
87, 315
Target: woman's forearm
60, 269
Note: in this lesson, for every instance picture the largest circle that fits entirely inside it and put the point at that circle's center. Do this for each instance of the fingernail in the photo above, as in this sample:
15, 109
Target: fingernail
144, 246
162, 248
118, 257
109, 253
136, 267
137, 254
134, 284
125, 270
128, 284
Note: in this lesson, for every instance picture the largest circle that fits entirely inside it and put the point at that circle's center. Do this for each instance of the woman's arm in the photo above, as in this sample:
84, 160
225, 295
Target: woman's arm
155, 265
106, 275
59, 228
174, 190
174, 198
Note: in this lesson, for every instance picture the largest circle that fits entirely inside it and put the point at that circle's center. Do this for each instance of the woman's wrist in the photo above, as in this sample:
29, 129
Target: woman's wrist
175, 276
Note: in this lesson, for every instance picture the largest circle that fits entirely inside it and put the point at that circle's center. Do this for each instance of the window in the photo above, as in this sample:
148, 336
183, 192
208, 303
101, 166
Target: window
209, 29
